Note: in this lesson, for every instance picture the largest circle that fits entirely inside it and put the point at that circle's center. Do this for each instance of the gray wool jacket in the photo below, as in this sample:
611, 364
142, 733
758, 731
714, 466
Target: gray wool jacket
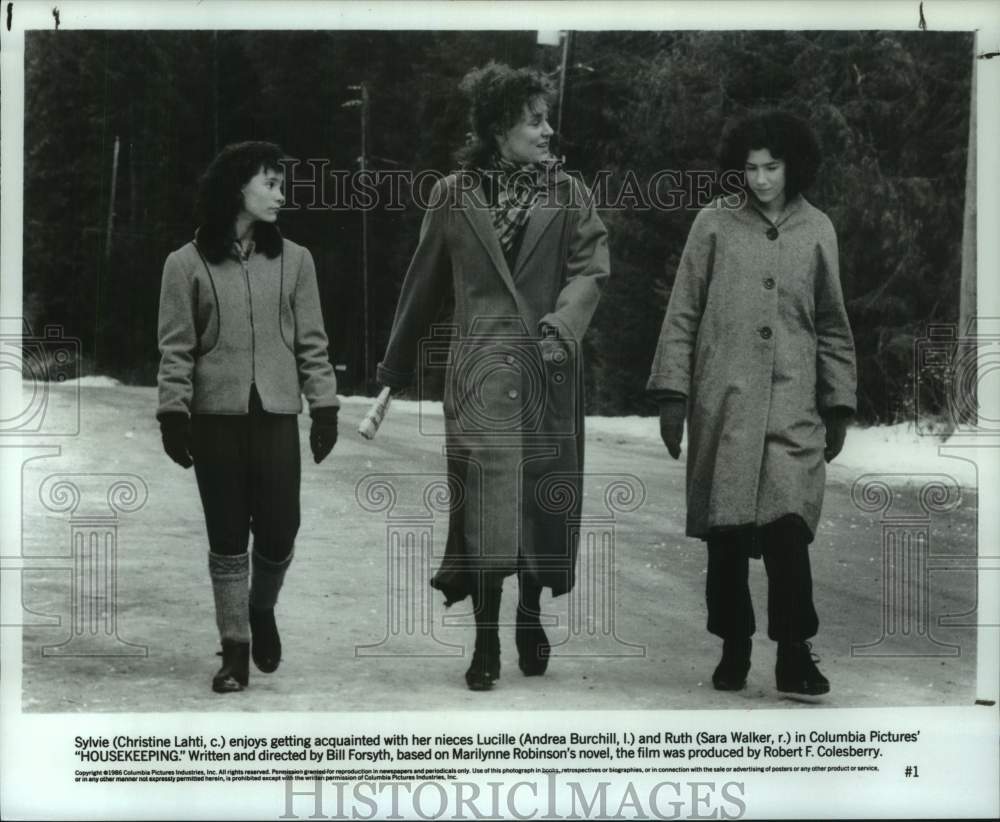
224, 327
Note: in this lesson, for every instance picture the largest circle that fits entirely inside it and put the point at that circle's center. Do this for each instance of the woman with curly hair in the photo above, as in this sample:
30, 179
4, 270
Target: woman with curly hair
241, 337
756, 353
515, 244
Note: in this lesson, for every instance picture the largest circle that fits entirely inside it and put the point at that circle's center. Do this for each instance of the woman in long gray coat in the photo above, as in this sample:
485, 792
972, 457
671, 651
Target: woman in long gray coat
518, 247
757, 352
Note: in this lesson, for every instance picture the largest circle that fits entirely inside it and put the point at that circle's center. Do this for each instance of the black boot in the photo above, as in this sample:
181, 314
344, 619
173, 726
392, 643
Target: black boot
796, 671
731, 672
484, 669
235, 671
266, 647
533, 647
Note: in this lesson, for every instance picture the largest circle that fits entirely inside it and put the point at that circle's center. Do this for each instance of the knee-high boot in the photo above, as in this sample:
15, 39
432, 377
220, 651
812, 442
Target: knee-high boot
265, 584
230, 575
533, 647
485, 667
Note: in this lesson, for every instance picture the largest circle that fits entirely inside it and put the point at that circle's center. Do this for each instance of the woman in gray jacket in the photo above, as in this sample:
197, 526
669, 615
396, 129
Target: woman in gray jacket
241, 337
756, 351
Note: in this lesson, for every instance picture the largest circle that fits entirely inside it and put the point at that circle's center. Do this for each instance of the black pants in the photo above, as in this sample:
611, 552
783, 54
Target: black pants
248, 470
784, 546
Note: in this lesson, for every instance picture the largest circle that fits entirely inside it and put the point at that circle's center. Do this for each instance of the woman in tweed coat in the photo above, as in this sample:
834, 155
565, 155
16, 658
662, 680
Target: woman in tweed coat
757, 352
517, 246
241, 338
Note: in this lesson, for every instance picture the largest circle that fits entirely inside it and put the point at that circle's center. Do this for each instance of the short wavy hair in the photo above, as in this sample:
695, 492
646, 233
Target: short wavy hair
497, 95
786, 136
220, 198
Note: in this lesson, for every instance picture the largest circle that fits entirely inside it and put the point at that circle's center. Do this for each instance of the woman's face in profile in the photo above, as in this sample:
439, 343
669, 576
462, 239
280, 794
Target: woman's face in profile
528, 140
262, 195
765, 176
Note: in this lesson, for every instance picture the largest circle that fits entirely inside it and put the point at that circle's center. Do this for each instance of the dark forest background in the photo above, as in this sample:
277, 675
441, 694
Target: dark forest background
891, 110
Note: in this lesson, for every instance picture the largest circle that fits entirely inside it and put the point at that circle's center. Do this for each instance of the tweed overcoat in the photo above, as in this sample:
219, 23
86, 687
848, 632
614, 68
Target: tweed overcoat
513, 413
756, 335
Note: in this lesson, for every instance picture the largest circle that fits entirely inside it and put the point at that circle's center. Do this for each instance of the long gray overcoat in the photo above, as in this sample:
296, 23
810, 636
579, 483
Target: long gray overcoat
513, 417
756, 335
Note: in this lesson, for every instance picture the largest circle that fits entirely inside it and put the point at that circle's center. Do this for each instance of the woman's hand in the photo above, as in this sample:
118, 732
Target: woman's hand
672, 413
175, 431
323, 434
836, 433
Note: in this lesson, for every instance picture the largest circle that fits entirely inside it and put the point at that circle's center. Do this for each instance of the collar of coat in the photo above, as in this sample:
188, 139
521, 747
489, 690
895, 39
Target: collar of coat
471, 201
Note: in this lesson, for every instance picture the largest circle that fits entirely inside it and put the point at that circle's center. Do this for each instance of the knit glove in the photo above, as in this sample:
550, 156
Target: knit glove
175, 431
835, 421
672, 413
323, 433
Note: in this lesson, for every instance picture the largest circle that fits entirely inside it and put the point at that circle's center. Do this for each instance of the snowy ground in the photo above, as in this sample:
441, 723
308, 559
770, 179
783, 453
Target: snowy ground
899, 449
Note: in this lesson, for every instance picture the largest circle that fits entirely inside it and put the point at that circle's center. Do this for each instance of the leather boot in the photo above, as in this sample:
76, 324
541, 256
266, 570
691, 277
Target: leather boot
533, 647
796, 672
265, 584
731, 672
484, 669
235, 671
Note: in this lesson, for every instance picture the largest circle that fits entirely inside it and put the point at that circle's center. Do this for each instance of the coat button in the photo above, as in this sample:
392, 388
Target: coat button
509, 359
512, 393
772, 233
765, 332
769, 283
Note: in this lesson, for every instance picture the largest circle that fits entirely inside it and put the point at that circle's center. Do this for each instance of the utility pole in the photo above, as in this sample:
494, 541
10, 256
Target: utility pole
363, 102
564, 68
107, 247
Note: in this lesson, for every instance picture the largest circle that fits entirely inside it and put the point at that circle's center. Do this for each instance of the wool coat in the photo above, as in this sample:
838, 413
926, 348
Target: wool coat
513, 402
757, 336
229, 325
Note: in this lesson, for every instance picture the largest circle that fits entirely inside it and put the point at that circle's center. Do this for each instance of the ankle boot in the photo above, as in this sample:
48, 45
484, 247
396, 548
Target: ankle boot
796, 671
235, 671
731, 672
484, 669
533, 647
265, 583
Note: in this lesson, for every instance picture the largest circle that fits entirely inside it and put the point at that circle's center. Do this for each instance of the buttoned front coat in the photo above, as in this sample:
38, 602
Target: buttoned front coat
513, 411
757, 336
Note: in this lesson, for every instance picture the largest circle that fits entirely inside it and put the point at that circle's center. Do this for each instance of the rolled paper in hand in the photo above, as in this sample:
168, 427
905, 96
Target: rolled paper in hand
373, 419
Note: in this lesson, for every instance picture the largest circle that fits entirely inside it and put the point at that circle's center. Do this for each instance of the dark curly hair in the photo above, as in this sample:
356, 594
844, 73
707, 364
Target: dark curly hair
497, 95
220, 198
786, 136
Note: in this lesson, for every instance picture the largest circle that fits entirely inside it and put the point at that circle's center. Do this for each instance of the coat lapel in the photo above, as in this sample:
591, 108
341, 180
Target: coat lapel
541, 218
482, 225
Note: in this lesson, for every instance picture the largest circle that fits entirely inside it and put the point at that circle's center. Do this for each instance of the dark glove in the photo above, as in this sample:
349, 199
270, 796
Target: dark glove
672, 413
323, 434
175, 431
553, 350
836, 432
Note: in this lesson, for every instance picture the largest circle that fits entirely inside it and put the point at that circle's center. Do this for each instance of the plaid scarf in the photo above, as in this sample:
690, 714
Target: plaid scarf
516, 190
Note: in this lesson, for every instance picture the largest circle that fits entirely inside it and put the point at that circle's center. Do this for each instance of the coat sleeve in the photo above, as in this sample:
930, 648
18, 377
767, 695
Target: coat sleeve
588, 266
674, 359
177, 336
836, 371
424, 289
316, 376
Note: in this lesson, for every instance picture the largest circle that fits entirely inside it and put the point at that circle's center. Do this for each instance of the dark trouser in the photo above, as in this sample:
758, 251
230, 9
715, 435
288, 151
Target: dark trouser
784, 546
248, 470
